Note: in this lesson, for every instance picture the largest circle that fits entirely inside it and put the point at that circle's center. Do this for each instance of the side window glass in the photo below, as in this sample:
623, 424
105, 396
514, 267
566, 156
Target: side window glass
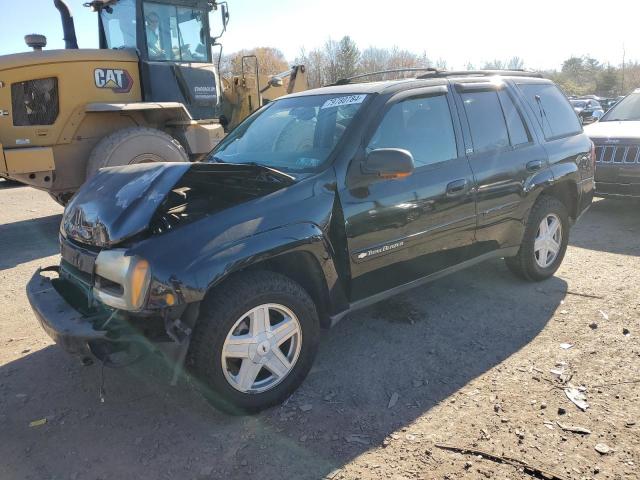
423, 126
517, 130
192, 35
175, 33
486, 121
552, 109
161, 31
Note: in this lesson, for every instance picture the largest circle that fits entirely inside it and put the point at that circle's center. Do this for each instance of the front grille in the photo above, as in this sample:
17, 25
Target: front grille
617, 154
35, 102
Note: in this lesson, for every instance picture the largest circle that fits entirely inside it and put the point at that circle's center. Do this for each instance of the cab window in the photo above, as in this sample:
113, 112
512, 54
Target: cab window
119, 25
421, 125
175, 33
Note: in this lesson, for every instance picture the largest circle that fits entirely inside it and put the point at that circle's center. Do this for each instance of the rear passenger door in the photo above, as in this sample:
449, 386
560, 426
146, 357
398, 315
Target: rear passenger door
403, 229
503, 156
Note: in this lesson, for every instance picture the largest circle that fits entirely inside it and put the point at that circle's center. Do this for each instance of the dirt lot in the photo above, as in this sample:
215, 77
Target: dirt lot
465, 361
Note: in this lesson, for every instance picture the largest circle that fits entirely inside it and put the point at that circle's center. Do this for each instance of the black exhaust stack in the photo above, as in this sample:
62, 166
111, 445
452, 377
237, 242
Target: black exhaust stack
68, 28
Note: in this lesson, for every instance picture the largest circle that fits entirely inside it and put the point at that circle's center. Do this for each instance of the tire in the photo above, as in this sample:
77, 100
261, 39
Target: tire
135, 145
527, 264
226, 311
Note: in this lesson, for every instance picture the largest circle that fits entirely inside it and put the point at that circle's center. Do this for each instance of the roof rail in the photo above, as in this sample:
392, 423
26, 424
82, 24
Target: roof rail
480, 73
431, 72
345, 81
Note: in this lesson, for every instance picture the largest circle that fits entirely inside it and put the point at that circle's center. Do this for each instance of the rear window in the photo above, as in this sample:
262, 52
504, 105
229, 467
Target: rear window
552, 109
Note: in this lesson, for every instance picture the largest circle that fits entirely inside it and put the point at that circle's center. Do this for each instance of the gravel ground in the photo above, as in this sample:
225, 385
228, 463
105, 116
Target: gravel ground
466, 361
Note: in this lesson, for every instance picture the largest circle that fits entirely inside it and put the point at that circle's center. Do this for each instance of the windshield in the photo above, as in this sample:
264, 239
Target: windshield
627, 109
578, 104
293, 134
119, 23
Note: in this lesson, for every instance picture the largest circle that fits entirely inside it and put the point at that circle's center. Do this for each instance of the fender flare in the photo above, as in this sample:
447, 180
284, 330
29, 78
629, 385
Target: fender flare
250, 251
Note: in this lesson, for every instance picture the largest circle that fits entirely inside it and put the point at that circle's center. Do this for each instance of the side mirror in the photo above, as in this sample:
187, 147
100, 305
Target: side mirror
224, 11
224, 14
389, 163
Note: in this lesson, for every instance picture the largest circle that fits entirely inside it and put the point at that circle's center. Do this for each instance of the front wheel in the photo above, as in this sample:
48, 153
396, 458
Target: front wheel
135, 145
255, 341
545, 241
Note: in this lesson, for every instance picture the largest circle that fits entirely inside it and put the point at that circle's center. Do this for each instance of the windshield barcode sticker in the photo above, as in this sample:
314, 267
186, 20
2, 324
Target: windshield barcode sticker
347, 100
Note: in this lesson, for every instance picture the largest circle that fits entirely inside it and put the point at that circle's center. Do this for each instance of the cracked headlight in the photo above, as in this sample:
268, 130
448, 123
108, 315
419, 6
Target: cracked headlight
121, 281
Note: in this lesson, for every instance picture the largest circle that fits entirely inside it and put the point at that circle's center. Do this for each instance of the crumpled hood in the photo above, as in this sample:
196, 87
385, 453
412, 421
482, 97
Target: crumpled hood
620, 130
120, 202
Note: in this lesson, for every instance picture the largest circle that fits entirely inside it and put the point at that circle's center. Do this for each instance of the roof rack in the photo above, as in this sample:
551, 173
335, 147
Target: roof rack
345, 81
435, 73
482, 73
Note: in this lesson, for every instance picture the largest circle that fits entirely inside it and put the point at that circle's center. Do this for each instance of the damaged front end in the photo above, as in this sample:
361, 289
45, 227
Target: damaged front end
105, 302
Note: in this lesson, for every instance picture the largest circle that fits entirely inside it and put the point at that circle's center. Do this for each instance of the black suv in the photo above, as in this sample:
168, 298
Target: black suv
319, 204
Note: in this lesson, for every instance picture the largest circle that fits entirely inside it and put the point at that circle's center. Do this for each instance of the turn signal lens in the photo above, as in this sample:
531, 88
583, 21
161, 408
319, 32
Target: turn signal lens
139, 282
169, 299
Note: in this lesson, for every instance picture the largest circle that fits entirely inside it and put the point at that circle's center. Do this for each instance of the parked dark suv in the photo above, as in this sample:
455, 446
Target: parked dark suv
318, 204
617, 140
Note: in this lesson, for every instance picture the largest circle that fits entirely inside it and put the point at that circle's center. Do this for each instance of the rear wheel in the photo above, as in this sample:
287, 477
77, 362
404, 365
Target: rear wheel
545, 241
135, 145
255, 342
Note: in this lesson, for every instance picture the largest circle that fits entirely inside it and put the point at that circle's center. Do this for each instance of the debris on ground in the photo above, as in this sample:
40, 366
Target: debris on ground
565, 346
574, 428
393, 400
357, 438
626, 332
593, 325
38, 423
603, 448
328, 397
307, 407
577, 397
534, 471
604, 315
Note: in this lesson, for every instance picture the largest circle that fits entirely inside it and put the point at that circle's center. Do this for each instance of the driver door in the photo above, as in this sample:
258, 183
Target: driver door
404, 229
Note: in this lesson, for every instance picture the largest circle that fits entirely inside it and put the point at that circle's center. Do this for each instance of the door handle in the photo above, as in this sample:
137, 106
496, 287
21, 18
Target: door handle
534, 165
457, 187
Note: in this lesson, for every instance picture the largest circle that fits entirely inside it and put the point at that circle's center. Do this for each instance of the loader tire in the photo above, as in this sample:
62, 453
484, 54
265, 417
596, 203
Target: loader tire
135, 145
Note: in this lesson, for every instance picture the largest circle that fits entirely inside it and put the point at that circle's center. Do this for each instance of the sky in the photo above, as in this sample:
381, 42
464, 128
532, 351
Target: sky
541, 32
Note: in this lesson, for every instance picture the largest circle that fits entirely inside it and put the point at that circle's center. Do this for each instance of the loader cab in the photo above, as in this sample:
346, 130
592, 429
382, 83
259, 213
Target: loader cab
173, 41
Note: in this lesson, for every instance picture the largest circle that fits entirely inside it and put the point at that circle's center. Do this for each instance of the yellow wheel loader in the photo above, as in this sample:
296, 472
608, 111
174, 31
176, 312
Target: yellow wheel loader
151, 92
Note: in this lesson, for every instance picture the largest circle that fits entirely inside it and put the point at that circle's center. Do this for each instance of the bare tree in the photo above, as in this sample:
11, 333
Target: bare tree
374, 60
515, 63
270, 61
494, 65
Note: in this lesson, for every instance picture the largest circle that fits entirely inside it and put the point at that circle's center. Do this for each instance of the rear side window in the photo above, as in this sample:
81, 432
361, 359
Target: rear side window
552, 109
486, 121
518, 133
421, 125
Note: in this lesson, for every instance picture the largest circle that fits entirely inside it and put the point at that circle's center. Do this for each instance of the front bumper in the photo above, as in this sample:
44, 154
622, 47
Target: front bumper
617, 190
77, 333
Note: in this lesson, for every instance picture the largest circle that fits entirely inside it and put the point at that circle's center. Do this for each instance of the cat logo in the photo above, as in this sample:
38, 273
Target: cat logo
118, 81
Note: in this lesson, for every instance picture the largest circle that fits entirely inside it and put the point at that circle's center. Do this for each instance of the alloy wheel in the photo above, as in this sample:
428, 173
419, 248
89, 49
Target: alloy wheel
548, 240
261, 348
